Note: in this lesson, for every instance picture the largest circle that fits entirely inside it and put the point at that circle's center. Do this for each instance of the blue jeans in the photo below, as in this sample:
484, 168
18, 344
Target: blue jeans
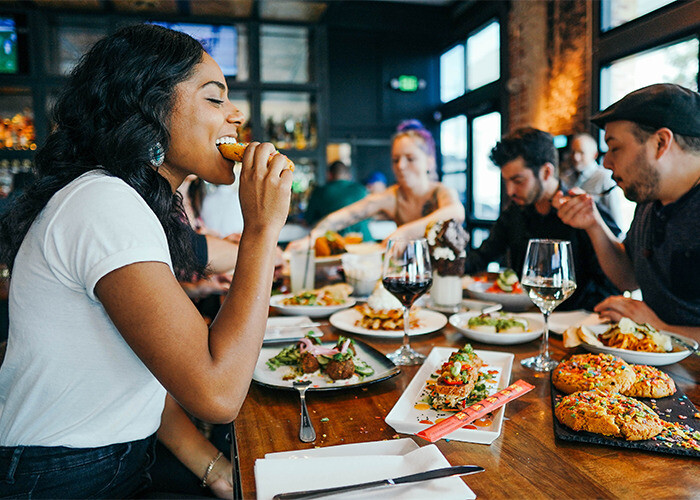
113, 471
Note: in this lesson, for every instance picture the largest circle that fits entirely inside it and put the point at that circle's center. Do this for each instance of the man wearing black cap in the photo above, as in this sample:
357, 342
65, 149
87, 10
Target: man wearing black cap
653, 137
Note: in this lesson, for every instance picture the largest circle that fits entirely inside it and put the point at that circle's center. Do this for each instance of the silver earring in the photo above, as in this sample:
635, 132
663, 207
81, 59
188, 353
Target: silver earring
157, 154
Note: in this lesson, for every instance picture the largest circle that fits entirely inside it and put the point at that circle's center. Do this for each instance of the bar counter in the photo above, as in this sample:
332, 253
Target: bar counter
525, 461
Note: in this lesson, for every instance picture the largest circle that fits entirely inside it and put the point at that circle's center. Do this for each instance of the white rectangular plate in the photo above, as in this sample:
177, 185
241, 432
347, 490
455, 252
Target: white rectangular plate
409, 415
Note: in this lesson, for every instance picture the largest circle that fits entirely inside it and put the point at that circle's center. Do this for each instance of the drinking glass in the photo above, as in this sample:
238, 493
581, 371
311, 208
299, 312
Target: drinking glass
548, 279
407, 275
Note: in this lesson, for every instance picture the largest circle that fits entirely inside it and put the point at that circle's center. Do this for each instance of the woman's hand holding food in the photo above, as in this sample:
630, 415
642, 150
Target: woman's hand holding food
265, 188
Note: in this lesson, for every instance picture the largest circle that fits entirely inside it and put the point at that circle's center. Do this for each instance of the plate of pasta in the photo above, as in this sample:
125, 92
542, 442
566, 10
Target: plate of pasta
636, 343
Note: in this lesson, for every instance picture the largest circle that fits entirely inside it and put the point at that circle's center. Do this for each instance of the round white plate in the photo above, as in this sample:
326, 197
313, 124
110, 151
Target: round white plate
310, 311
510, 301
460, 322
464, 306
430, 321
646, 358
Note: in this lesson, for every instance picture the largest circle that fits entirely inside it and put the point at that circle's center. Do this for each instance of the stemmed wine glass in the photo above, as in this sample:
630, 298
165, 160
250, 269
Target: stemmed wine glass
549, 279
407, 275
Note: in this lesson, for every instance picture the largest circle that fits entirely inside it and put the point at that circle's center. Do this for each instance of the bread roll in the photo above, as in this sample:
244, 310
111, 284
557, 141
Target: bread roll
234, 152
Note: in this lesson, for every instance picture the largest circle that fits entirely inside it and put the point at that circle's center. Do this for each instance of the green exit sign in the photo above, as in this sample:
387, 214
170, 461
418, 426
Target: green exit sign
408, 83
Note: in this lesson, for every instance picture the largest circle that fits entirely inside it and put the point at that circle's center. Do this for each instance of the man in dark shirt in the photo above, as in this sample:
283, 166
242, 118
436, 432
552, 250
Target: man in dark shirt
528, 162
653, 137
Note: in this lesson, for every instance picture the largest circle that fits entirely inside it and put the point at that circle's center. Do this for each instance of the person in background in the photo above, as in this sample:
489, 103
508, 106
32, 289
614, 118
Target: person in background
528, 161
338, 191
104, 345
584, 172
653, 138
376, 182
221, 209
413, 202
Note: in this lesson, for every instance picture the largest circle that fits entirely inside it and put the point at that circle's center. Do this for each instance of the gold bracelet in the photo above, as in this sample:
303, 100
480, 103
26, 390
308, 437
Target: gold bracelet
209, 468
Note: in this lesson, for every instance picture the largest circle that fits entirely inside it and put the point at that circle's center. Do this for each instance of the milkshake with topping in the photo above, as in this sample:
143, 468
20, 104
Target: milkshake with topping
448, 251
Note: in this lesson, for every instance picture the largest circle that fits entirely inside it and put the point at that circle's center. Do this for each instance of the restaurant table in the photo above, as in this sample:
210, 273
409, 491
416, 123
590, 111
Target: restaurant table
525, 461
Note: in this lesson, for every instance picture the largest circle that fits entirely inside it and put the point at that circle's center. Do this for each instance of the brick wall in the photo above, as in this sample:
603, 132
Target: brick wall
549, 48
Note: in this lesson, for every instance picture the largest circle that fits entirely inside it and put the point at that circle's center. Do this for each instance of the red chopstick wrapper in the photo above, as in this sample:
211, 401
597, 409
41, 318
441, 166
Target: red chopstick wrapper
477, 410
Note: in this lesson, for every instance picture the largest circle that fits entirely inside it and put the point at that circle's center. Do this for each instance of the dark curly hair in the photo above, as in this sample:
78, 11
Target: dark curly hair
536, 148
114, 108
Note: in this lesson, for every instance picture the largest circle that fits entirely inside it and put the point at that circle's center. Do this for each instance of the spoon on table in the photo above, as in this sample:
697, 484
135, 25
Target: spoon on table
307, 433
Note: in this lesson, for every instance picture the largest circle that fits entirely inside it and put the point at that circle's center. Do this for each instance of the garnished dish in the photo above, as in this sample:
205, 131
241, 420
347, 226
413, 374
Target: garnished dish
315, 303
498, 327
327, 365
498, 323
505, 290
609, 414
635, 343
449, 381
583, 372
232, 150
383, 311
596, 394
331, 243
507, 282
455, 385
339, 362
331, 295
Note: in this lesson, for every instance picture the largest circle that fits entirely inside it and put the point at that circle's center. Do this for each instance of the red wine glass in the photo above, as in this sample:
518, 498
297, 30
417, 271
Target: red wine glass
407, 275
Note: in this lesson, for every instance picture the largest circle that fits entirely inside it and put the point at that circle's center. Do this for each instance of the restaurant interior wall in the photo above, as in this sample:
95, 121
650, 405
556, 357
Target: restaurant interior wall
369, 44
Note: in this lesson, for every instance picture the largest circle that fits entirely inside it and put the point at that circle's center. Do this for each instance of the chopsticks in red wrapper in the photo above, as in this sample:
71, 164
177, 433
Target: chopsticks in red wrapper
477, 410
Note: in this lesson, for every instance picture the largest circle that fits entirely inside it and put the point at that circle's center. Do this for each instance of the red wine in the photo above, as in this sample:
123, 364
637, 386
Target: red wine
407, 291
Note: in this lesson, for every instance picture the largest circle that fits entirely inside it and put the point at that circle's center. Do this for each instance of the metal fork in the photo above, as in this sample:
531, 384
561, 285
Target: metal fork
307, 433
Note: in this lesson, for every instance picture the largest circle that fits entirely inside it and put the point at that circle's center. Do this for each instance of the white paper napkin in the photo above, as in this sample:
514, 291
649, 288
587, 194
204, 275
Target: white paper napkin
283, 328
560, 321
277, 475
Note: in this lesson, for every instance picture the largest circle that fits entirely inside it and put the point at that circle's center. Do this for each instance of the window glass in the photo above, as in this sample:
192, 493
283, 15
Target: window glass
284, 54
453, 144
289, 119
676, 63
486, 131
452, 73
243, 65
457, 181
617, 12
483, 56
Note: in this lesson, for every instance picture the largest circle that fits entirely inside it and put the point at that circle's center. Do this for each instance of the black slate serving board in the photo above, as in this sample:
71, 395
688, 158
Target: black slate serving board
671, 409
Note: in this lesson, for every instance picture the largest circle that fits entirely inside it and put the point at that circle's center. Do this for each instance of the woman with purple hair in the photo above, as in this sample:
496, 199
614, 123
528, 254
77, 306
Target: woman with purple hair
413, 202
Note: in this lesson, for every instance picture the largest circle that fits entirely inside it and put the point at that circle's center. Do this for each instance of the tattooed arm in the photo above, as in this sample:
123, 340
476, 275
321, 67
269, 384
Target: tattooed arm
384, 202
371, 205
448, 207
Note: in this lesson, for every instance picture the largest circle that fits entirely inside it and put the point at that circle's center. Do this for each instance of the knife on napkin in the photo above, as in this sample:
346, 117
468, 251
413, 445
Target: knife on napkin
457, 470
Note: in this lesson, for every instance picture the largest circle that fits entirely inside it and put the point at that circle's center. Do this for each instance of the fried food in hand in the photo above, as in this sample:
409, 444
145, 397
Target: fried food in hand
234, 152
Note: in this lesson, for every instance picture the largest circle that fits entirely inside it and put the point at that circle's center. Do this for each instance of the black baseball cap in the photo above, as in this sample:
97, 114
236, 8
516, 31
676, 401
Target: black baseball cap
662, 105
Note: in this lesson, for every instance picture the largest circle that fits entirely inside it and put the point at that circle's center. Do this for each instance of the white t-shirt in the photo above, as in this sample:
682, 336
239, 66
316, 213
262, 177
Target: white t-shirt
69, 378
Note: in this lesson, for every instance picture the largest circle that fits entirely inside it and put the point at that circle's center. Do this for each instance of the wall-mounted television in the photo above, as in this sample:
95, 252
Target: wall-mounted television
220, 42
8, 45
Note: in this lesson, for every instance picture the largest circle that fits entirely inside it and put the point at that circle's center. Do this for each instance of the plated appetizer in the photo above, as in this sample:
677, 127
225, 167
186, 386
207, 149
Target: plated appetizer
635, 337
309, 356
609, 414
498, 323
456, 381
383, 311
507, 282
584, 372
331, 295
331, 243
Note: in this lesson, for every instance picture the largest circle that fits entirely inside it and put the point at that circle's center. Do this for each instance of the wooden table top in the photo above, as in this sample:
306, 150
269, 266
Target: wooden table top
526, 461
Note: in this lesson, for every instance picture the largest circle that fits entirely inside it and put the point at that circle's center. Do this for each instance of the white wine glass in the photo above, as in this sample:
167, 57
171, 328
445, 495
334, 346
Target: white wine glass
407, 275
549, 279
